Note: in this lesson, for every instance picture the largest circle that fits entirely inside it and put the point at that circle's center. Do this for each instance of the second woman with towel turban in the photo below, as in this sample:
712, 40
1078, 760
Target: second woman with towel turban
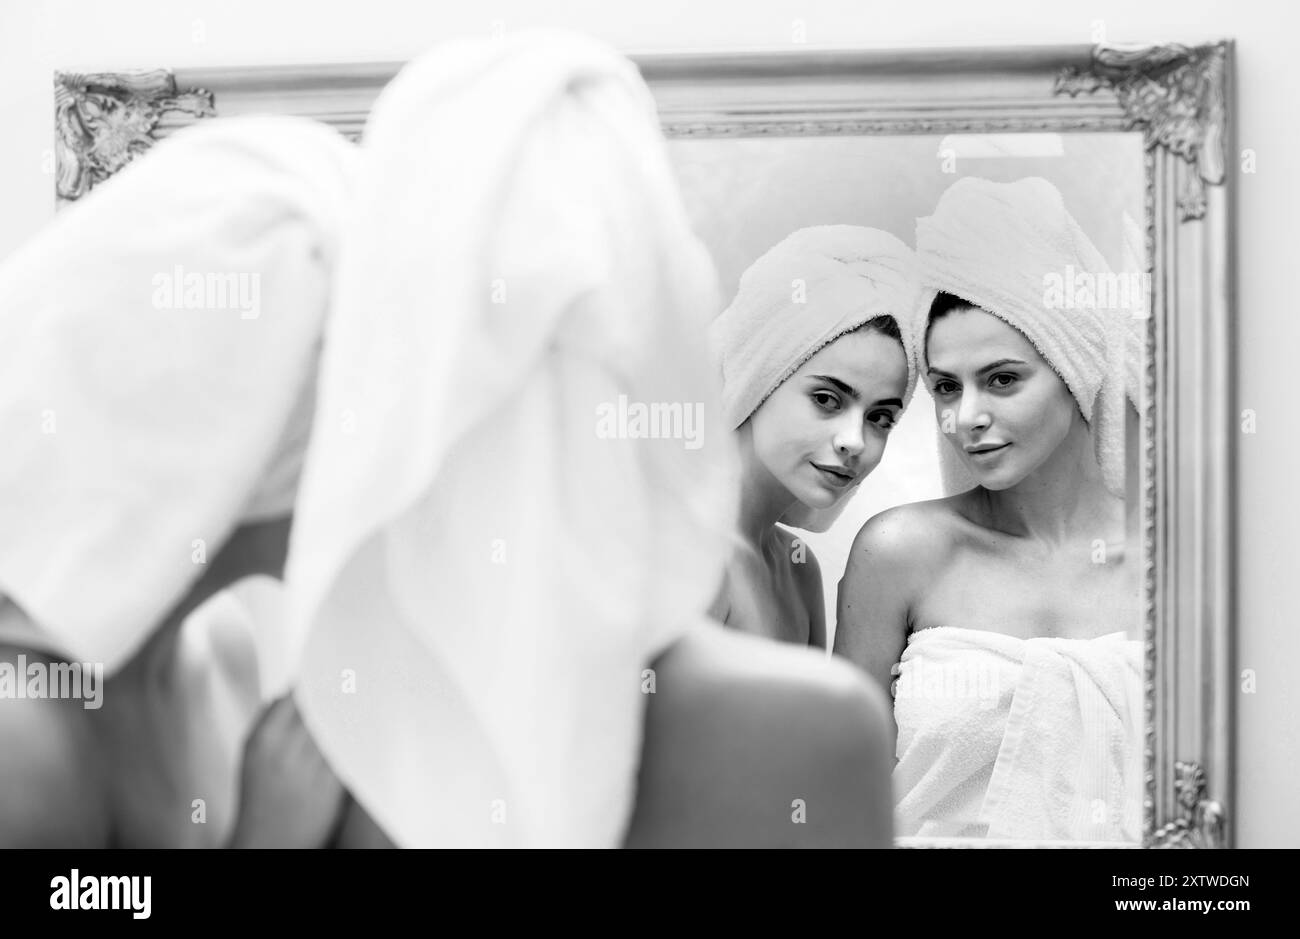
817, 365
1008, 608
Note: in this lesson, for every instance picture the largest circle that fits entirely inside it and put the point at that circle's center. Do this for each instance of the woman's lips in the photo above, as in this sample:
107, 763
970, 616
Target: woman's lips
836, 476
987, 453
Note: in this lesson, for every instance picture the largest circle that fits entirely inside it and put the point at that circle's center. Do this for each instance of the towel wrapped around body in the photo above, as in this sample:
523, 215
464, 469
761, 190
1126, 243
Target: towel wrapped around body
1002, 737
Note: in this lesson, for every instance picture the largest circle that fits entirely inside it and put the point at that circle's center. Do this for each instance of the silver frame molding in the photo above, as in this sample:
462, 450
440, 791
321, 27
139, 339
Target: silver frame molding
1178, 97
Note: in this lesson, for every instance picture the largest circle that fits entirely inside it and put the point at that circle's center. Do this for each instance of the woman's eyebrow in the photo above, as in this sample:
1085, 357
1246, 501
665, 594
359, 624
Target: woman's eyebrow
988, 368
839, 385
999, 363
889, 403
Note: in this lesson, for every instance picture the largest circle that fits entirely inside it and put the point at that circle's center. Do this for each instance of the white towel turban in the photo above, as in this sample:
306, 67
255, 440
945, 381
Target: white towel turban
999, 246
810, 289
477, 576
158, 342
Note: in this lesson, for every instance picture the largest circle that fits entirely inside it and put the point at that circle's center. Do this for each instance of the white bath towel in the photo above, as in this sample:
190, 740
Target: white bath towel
1003, 737
1014, 250
158, 343
811, 288
158, 348
479, 573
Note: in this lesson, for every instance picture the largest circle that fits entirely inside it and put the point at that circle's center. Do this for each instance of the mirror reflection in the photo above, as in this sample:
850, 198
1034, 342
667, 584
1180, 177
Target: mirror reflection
932, 350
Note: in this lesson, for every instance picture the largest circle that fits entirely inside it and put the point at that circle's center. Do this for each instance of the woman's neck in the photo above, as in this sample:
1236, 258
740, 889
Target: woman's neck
1065, 497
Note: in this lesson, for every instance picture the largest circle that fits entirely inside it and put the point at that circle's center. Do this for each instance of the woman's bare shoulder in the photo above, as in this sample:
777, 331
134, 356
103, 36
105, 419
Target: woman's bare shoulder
909, 536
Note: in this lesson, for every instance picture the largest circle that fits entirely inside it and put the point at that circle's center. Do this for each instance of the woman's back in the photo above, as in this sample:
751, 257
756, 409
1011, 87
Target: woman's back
748, 743
753, 744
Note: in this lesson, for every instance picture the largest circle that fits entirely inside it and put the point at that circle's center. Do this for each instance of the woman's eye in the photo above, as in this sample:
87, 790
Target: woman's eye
826, 400
883, 419
944, 387
1003, 380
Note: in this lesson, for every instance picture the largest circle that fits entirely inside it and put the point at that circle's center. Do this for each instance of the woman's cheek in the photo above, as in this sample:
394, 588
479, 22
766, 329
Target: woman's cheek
945, 416
876, 444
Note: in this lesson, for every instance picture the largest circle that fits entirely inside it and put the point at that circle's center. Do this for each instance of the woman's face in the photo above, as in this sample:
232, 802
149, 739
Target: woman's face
824, 429
997, 401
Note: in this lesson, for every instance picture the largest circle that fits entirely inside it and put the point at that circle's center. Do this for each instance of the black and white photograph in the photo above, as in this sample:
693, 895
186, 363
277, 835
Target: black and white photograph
569, 425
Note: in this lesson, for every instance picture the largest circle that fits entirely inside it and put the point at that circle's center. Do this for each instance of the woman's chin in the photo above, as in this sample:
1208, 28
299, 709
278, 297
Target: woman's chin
817, 497
997, 481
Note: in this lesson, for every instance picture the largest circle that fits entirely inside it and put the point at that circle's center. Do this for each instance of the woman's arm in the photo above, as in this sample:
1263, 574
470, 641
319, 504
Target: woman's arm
53, 786
288, 795
886, 565
808, 575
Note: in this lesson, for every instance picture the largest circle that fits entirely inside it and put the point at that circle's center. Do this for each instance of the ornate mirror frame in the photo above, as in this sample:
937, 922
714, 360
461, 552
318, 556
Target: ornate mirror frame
1176, 96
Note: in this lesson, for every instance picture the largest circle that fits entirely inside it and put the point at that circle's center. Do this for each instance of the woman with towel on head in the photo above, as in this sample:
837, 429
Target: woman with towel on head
158, 352
499, 613
817, 366
1009, 609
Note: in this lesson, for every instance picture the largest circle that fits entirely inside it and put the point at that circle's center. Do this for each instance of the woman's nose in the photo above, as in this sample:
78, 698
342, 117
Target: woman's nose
972, 414
849, 440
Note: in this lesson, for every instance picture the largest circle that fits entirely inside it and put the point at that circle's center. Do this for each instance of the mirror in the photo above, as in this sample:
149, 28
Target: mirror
1135, 140
745, 195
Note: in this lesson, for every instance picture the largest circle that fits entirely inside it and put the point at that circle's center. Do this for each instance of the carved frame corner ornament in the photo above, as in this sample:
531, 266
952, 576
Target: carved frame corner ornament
104, 120
1176, 95
1201, 820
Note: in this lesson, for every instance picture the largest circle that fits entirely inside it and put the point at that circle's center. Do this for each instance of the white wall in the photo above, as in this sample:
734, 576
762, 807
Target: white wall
36, 38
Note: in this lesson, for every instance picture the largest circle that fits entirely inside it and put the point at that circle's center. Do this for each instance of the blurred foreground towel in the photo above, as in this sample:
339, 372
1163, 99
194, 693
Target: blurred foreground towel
484, 560
158, 349
158, 344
